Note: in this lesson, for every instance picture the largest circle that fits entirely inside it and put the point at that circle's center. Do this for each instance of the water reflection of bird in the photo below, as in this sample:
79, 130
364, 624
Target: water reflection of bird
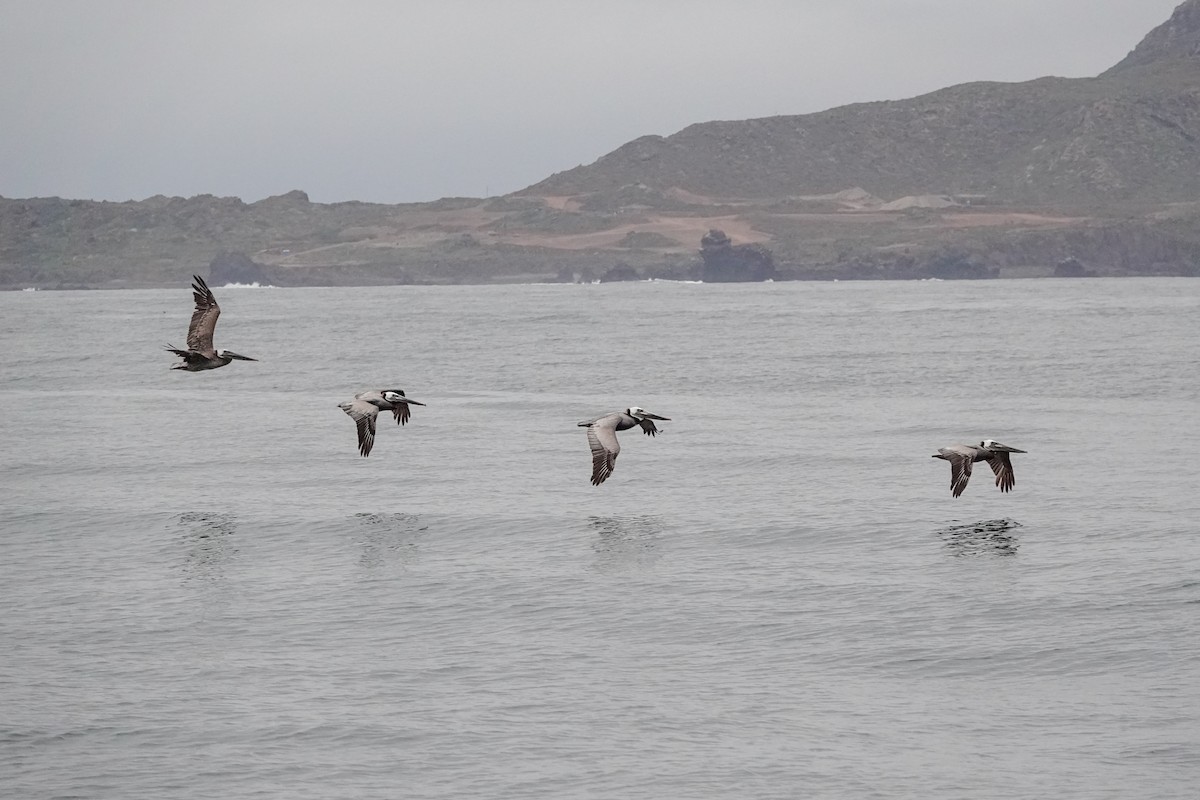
987, 537
625, 544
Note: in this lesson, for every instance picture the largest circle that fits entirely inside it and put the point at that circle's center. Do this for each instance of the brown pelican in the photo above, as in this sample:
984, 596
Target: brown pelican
365, 407
200, 353
602, 437
961, 456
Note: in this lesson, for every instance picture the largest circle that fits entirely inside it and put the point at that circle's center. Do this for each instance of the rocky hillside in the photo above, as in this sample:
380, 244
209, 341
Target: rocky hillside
1129, 135
1177, 39
1052, 176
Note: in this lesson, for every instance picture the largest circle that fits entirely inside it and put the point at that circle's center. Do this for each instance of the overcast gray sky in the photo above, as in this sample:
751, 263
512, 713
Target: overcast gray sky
411, 101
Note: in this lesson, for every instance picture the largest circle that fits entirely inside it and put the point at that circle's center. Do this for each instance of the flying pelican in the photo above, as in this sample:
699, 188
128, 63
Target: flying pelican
365, 407
200, 353
602, 437
961, 456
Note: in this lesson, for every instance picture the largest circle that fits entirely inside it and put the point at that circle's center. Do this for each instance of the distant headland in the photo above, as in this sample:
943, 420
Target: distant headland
1064, 177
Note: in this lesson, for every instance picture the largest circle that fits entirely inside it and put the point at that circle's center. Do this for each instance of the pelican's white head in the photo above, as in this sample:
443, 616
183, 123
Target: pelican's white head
996, 447
397, 396
640, 414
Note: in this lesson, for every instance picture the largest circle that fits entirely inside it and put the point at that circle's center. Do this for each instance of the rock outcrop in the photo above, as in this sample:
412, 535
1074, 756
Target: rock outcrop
725, 262
233, 267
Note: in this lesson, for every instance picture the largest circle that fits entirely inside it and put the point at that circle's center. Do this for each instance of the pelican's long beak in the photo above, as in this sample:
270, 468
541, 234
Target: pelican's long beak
240, 358
1005, 448
648, 415
411, 402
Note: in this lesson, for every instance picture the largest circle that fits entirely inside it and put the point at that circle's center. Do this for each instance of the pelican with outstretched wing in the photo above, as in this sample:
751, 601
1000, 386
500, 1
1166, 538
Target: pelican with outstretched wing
201, 354
602, 437
365, 408
962, 456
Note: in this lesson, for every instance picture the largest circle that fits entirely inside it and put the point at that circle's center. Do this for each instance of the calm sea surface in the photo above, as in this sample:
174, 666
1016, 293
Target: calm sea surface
206, 593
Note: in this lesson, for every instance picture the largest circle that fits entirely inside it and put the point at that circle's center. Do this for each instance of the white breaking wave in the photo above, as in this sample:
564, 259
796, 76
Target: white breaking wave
255, 285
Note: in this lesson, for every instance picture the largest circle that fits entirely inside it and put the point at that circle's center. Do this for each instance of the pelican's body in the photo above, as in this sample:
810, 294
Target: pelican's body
365, 407
962, 456
602, 437
201, 354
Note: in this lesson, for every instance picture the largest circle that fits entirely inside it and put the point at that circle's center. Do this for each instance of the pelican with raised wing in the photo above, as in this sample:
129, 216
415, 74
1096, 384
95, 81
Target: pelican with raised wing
365, 407
962, 456
602, 437
201, 354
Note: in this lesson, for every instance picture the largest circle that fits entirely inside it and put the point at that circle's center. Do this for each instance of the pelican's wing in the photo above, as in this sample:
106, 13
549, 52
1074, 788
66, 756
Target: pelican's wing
960, 469
648, 426
602, 438
1002, 466
204, 318
188, 356
401, 413
364, 415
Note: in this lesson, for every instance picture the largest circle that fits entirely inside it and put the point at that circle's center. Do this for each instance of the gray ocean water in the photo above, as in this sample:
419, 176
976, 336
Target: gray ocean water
207, 593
